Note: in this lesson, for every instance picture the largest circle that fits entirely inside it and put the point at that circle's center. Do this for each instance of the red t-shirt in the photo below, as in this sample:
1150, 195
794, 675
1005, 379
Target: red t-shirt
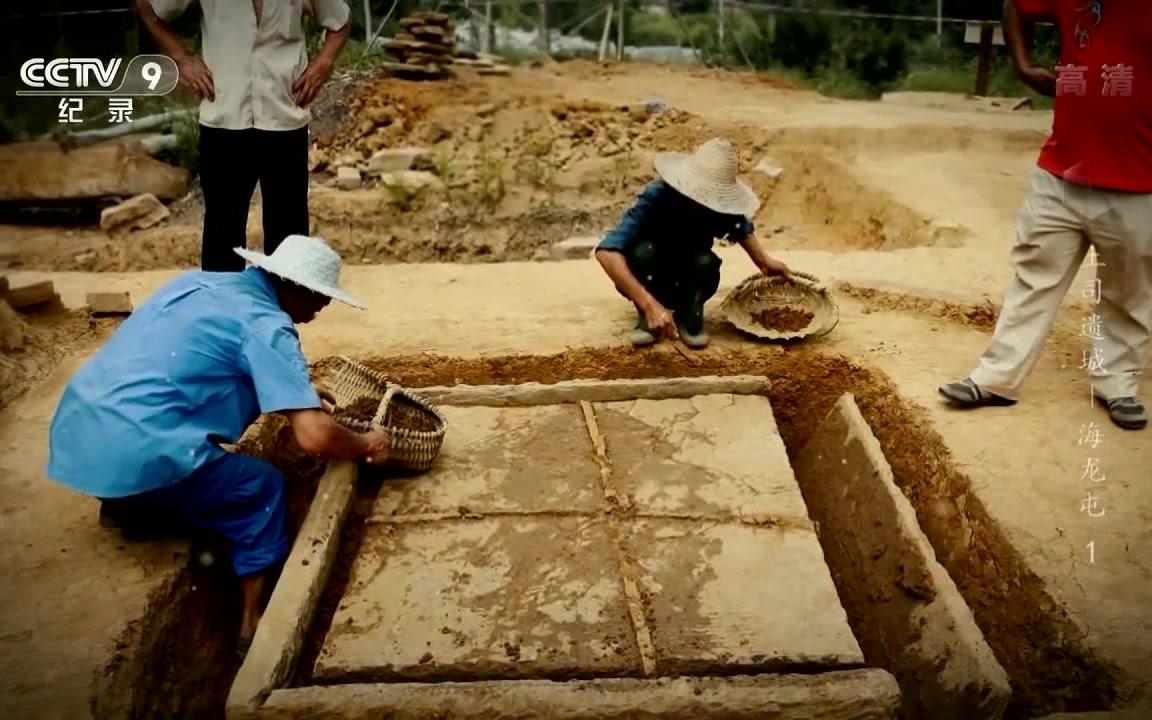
1102, 126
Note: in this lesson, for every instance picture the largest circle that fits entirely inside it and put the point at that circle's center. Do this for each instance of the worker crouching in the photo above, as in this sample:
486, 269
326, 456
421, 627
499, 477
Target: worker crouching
660, 255
141, 424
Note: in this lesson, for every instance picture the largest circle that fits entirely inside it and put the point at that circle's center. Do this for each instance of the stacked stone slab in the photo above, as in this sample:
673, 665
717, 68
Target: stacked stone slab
426, 47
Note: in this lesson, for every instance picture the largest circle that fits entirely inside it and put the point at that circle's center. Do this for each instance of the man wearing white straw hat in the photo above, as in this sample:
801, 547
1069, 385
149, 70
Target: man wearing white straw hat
660, 254
141, 424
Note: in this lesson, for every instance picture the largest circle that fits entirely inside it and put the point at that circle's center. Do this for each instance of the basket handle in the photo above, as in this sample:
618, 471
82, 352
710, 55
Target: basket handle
803, 278
382, 411
326, 396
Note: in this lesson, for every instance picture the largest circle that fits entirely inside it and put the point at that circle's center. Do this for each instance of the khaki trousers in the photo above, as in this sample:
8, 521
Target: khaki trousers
1055, 228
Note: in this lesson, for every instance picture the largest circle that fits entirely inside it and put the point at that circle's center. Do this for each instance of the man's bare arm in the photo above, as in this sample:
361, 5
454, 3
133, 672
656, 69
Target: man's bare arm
334, 41
764, 262
657, 316
1018, 38
194, 74
317, 433
308, 85
166, 40
616, 267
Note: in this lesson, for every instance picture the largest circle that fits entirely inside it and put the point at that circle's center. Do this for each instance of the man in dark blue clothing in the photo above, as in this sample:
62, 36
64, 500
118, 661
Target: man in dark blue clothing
660, 254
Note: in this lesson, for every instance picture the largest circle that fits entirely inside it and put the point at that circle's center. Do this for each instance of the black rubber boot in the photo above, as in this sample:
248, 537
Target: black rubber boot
690, 323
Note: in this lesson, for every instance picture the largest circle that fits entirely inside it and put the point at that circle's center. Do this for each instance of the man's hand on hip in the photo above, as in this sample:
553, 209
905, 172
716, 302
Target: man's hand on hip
196, 76
308, 85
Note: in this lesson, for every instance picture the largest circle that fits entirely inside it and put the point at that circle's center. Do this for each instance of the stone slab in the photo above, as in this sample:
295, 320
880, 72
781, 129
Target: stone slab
136, 213
28, 296
855, 694
504, 459
45, 171
293, 603
574, 248
709, 454
913, 618
739, 598
497, 598
569, 391
109, 303
347, 178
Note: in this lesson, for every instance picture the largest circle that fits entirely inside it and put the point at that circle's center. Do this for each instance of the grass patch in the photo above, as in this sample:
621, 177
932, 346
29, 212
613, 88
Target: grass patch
1002, 82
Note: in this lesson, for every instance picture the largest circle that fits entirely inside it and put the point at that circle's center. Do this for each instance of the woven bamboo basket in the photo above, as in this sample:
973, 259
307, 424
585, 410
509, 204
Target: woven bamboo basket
415, 427
759, 294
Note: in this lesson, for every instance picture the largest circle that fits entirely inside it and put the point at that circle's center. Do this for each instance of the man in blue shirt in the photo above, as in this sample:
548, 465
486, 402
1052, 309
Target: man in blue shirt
660, 254
140, 424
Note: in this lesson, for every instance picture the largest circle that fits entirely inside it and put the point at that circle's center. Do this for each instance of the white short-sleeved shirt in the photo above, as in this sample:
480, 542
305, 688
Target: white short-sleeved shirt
254, 64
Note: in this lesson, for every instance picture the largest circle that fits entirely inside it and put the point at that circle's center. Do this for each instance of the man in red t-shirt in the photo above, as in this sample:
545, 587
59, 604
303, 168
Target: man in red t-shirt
1092, 188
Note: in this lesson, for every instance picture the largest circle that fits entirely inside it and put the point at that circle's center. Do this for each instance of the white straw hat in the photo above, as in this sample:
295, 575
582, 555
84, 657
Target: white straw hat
708, 176
306, 261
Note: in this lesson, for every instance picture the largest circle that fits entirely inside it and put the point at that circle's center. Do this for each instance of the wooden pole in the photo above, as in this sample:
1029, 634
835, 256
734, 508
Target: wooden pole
489, 31
984, 67
543, 28
620, 31
367, 22
720, 29
604, 35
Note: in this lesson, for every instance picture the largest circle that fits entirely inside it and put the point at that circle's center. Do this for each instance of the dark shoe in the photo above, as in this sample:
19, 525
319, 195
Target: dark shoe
113, 515
130, 519
243, 645
967, 394
642, 336
1126, 412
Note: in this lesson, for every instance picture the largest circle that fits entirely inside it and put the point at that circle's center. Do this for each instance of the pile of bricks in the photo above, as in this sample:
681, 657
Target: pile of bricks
425, 49
40, 296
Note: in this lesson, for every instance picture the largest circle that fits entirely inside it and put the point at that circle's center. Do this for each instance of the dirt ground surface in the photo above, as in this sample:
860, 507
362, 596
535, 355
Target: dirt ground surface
906, 212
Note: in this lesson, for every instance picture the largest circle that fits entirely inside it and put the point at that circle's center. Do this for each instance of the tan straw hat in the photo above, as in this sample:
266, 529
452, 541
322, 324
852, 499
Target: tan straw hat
708, 176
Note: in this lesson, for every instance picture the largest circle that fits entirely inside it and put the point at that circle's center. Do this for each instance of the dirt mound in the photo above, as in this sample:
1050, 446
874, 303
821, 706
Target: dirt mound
515, 172
51, 336
508, 168
982, 316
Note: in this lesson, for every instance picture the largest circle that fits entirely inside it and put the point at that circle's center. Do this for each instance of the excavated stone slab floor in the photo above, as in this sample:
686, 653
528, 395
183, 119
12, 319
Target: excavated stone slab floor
588, 540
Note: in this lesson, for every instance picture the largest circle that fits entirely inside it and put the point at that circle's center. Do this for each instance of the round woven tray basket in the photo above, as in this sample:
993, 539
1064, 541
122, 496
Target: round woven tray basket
759, 293
415, 427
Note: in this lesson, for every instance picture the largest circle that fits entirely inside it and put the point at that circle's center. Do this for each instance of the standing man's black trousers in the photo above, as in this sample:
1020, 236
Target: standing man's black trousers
231, 163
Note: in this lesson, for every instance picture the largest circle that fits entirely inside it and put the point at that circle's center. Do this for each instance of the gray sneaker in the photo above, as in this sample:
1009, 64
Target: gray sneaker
1126, 412
696, 341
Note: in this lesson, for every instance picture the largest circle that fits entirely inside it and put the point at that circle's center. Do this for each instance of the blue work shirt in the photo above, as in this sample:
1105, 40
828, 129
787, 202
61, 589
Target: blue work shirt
192, 367
669, 219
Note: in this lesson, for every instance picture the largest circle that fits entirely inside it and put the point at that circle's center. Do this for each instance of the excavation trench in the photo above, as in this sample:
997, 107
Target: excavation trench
1032, 638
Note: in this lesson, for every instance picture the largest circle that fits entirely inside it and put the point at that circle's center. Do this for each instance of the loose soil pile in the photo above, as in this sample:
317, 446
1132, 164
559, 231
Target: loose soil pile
783, 319
50, 337
363, 409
